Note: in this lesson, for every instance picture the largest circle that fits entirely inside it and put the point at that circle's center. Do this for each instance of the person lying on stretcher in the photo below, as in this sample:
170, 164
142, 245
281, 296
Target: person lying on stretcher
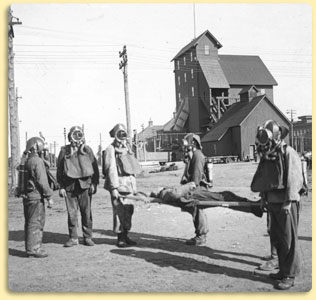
189, 194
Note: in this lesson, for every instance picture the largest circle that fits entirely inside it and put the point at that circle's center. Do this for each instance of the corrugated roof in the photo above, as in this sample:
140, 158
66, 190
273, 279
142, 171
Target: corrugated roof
233, 117
195, 41
245, 69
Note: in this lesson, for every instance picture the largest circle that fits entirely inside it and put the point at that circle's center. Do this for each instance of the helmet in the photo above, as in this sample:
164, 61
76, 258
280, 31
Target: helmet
76, 135
34, 144
119, 132
192, 139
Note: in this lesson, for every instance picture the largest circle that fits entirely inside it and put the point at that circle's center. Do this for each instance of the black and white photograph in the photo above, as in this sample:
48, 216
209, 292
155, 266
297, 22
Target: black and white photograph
159, 148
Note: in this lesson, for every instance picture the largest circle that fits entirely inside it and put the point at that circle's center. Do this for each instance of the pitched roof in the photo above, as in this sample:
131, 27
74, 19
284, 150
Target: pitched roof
233, 117
213, 73
248, 88
181, 115
245, 69
149, 132
195, 41
168, 126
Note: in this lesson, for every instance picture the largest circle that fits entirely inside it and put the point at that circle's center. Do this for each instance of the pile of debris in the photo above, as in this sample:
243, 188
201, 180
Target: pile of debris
171, 167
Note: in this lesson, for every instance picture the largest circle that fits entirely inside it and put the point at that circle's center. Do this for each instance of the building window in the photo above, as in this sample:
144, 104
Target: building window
178, 64
185, 77
191, 56
192, 91
178, 80
184, 60
192, 73
207, 50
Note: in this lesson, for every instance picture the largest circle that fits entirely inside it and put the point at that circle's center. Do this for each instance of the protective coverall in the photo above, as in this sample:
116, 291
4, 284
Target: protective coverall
34, 207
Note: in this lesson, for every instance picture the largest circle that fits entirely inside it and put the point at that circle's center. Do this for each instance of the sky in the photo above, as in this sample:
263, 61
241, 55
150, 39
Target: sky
67, 60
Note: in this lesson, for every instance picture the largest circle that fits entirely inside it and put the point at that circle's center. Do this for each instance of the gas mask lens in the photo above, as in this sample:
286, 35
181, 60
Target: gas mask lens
121, 135
263, 137
77, 136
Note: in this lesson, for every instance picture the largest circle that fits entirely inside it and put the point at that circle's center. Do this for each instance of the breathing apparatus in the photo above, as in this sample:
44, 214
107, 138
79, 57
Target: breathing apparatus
191, 142
34, 144
77, 139
269, 138
119, 132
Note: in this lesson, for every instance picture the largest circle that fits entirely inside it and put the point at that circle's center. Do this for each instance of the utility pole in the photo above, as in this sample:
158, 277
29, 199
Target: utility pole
291, 112
50, 153
17, 116
14, 121
55, 158
194, 20
135, 143
123, 65
65, 141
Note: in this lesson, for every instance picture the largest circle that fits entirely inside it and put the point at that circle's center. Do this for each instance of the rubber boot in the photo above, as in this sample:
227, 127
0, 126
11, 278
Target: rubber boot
128, 240
121, 243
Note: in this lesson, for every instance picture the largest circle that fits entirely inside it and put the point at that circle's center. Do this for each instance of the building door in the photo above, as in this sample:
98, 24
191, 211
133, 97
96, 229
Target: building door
252, 149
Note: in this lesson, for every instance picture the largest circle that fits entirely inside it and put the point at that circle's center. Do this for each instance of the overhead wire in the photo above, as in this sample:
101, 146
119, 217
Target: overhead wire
138, 61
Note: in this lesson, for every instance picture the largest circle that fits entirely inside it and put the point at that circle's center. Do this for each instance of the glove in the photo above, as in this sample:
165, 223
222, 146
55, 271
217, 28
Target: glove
263, 202
50, 203
286, 207
93, 189
183, 180
62, 193
263, 205
115, 193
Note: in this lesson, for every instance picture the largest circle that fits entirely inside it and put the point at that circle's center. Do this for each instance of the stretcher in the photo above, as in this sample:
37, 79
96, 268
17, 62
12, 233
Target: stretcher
188, 196
196, 202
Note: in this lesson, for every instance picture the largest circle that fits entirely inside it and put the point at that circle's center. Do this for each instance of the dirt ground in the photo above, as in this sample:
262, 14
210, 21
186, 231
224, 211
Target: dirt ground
161, 262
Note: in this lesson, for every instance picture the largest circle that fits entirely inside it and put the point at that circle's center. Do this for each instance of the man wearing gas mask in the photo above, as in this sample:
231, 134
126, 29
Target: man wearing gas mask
279, 180
195, 172
35, 191
119, 167
78, 177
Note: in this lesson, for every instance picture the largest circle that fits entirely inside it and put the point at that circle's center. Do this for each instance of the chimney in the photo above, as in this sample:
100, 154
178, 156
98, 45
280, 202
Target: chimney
248, 93
150, 123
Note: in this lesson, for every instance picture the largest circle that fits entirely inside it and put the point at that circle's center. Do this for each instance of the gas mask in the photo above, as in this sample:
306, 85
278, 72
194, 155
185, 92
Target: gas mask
119, 133
187, 150
191, 142
76, 136
35, 144
121, 136
269, 138
77, 140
